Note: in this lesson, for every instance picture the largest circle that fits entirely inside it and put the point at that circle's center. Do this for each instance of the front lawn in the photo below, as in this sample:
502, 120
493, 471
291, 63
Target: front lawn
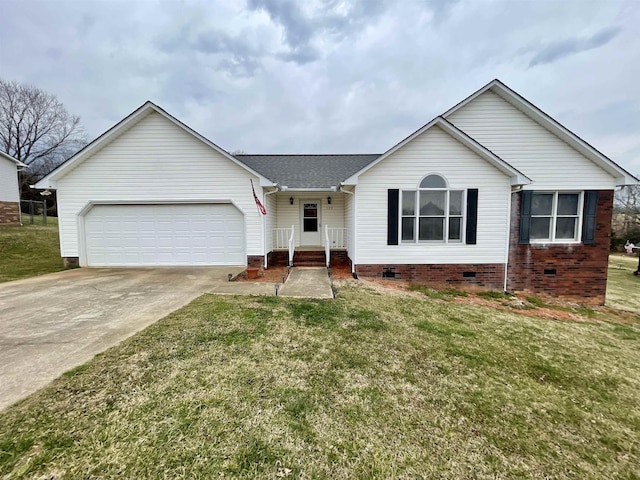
29, 250
370, 385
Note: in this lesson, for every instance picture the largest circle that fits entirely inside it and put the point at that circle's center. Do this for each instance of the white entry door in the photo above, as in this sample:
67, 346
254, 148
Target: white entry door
168, 234
310, 232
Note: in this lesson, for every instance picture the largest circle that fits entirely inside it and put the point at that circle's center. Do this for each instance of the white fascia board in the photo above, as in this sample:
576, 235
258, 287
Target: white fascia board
285, 188
264, 181
517, 177
125, 123
536, 114
14, 160
353, 179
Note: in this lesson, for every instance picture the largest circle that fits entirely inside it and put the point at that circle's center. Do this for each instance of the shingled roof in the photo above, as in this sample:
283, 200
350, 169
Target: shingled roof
307, 171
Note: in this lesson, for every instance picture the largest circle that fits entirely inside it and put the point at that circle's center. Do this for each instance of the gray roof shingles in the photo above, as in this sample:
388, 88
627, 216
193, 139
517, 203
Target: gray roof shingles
307, 171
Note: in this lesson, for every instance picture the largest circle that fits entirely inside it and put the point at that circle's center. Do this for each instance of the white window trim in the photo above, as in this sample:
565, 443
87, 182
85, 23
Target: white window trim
416, 217
554, 217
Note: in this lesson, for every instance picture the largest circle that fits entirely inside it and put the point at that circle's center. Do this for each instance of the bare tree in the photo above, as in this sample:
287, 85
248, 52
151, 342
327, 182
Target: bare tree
626, 215
36, 129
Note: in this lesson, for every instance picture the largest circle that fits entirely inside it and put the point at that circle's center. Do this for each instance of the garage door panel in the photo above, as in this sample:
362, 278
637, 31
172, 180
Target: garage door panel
184, 234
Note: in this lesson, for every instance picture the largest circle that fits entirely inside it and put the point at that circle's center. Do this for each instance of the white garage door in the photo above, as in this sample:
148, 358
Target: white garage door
177, 234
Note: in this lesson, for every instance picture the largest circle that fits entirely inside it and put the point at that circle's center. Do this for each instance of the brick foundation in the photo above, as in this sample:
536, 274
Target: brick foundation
256, 261
71, 261
486, 276
580, 270
9, 213
280, 258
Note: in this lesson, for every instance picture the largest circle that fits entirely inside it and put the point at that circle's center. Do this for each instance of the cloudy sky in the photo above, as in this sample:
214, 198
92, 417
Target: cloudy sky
323, 76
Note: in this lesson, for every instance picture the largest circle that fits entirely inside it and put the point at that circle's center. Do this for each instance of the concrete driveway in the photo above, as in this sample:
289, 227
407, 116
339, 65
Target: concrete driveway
52, 323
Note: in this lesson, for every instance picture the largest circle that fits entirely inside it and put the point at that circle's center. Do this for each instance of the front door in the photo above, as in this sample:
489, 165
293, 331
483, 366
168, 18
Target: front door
310, 231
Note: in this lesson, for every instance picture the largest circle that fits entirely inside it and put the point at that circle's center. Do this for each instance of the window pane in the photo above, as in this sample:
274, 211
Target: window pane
432, 203
310, 224
455, 230
408, 226
566, 228
568, 204
540, 228
431, 228
455, 203
541, 203
433, 181
310, 210
408, 203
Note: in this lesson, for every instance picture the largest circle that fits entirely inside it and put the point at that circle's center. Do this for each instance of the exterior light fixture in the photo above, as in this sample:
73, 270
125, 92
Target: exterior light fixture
328, 200
290, 200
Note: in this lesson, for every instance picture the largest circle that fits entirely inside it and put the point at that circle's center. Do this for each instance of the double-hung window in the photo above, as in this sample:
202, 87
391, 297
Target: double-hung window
555, 216
432, 213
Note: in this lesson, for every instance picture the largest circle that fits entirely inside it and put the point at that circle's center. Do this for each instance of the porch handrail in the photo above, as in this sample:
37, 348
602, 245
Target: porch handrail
291, 248
327, 246
337, 237
281, 237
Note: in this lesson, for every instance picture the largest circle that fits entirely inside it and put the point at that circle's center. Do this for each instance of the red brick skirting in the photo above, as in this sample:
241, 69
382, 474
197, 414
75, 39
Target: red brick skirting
71, 261
9, 213
488, 276
255, 261
573, 272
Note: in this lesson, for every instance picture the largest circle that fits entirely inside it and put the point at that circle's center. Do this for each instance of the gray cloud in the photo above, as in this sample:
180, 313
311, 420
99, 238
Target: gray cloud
301, 28
556, 51
325, 76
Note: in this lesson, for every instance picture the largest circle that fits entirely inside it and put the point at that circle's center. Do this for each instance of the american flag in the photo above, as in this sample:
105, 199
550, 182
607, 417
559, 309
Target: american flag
261, 208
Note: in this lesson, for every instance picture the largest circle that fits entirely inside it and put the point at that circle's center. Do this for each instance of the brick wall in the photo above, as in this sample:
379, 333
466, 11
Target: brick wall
580, 270
255, 261
9, 213
486, 276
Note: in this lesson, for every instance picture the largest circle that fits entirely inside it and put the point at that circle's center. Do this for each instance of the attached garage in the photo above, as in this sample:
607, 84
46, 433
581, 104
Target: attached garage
164, 235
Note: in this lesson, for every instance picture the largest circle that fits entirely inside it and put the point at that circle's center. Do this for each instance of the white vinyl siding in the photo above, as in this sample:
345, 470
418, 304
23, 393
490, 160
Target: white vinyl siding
349, 223
527, 146
156, 160
270, 204
332, 215
434, 151
8, 181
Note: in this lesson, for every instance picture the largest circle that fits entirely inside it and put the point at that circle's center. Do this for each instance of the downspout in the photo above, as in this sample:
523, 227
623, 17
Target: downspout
353, 260
264, 224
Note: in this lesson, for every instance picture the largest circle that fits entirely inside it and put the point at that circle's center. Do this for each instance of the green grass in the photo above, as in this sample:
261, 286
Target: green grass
29, 250
622, 285
364, 386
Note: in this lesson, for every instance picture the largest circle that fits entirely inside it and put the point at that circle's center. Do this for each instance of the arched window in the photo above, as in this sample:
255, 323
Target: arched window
433, 212
433, 181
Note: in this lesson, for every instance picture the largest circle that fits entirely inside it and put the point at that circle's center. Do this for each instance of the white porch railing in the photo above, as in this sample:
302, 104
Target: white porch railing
291, 248
336, 237
281, 237
327, 246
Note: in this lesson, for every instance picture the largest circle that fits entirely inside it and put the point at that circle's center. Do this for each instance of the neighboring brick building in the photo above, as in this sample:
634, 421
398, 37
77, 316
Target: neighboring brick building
9, 191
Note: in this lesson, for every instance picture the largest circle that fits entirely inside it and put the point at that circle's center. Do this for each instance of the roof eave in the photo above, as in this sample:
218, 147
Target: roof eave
144, 109
18, 163
539, 116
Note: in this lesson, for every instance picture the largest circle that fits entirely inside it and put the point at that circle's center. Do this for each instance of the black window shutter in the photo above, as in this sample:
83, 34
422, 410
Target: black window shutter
392, 216
589, 222
472, 216
525, 215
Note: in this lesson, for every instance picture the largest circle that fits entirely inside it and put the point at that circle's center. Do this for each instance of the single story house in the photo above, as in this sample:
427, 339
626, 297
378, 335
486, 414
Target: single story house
493, 193
9, 189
